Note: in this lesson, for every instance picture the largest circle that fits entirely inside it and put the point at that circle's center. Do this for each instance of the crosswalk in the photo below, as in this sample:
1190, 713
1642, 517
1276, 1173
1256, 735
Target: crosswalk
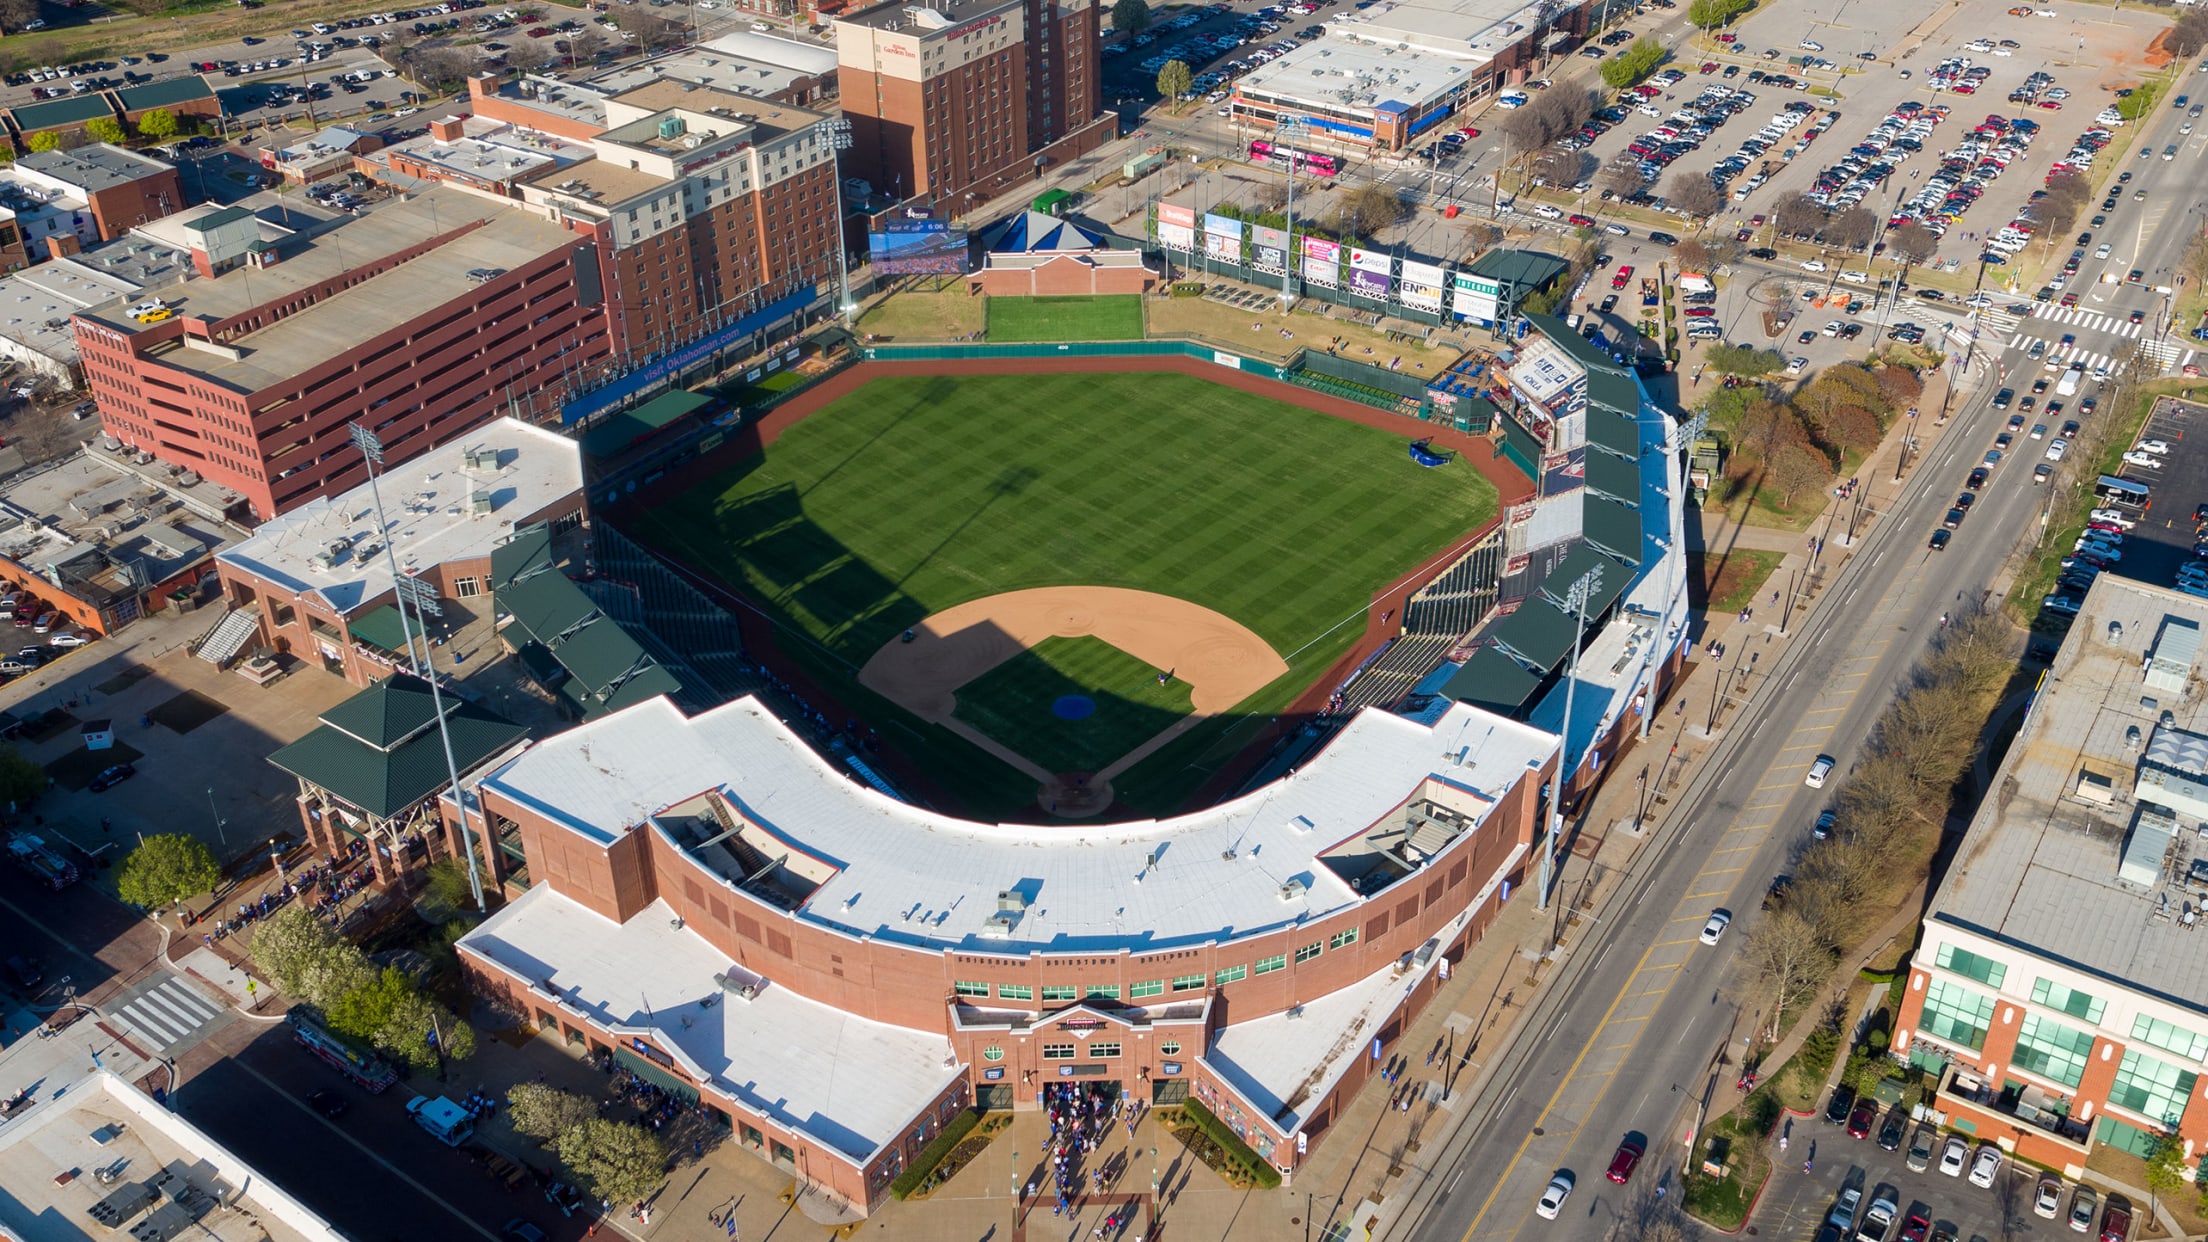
168, 1014
2091, 321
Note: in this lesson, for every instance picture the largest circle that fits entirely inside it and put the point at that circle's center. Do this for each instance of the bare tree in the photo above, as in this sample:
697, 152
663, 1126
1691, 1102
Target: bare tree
1911, 243
1798, 468
1798, 215
2066, 195
1368, 209
1694, 194
585, 44
1692, 256
1621, 177
1791, 959
1852, 229
1556, 166
652, 31
16, 14
440, 69
2190, 34
527, 56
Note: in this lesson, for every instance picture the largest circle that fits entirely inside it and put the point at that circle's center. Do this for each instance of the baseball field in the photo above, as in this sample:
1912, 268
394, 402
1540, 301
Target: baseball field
919, 495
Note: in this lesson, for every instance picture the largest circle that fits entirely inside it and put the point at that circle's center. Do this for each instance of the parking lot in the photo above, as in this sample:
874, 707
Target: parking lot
1796, 1204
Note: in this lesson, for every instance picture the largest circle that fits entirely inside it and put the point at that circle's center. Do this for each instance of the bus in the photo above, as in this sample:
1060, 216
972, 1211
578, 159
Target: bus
342, 1055
1310, 163
2123, 491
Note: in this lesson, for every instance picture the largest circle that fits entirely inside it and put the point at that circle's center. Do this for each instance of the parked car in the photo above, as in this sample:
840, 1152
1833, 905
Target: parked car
1954, 1156
110, 777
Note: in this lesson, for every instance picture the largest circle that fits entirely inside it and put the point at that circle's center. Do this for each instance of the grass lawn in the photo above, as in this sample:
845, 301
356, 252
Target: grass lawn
917, 493
1726, 582
1026, 703
917, 315
1735, 1141
1111, 317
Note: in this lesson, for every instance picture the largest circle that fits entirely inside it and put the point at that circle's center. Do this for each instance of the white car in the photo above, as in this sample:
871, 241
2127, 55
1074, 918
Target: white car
1813, 265
2056, 448
1856, 278
1985, 1166
2149, 460
2160, 448
67, 640
1818, 771
1954, 1156
2047, 1196
1547, 212
1714, 930
1811, 45
2114, 517
1552, 1199
1979, 300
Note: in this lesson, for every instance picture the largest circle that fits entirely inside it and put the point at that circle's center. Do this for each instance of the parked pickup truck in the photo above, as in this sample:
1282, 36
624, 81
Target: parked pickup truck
1878, 1219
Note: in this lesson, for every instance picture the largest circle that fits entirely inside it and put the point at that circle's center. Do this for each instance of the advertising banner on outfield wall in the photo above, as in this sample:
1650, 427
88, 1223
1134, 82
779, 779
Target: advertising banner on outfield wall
1322, 262
1369, 272
1421, 285
1223, 238
1176, 227
1473, 298
1268, 249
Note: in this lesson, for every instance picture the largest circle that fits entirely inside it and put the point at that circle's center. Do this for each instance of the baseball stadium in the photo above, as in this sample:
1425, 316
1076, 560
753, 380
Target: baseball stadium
1138, 721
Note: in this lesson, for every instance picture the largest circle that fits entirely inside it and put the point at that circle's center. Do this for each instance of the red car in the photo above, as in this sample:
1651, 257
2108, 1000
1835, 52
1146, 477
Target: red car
1469, 131
1624, 274
1627, 1159
1914, 1229
1579, 221
2116, 1222
1859, 1121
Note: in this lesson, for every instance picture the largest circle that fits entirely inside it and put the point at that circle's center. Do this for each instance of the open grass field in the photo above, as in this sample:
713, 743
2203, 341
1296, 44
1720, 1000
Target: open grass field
1033, 703
1114, 317
917, 493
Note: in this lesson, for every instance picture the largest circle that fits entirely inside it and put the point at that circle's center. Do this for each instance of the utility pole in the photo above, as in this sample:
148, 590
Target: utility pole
1576, 597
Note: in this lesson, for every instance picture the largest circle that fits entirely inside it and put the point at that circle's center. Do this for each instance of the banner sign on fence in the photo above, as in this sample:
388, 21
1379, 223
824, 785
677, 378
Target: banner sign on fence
1369, 271
1322, 262
1223, 238
1475, 299
1421, 285
1269, 249
663, 369
1176, 227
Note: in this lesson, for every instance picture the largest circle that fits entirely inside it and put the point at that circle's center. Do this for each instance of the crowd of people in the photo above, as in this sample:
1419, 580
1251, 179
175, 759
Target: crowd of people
1081, 1117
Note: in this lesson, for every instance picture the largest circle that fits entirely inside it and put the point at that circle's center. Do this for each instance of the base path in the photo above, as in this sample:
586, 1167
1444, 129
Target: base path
1222, 661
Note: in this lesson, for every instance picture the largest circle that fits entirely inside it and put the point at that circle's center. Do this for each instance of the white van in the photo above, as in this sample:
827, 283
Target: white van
1818, 771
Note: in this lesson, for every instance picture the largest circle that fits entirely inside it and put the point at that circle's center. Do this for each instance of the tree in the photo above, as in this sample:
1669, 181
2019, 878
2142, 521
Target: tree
16, 14
584, 45
2058, 206
1852, 228
2190, 34
1173, 80
44, 140
1621, 177
2166, 1172
1695, 195
1692, 256
287, 945
168, 867
104, 129
1130, 17
653, 32
439, 69
527, 56
1798, 468
1791, 960
337, 972
1710, 14
1743, 360
1634, 63
617, 1161
546, 1113
418, 1028
365, 1011
1554, 165
1798, 215
158, 123
1368, 209
20, 779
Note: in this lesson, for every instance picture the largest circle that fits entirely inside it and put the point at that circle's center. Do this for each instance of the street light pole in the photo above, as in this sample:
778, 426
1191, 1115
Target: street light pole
1576, 598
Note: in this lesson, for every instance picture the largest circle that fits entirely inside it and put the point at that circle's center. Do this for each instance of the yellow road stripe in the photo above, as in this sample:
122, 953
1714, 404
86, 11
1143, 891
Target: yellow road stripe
1542, 1117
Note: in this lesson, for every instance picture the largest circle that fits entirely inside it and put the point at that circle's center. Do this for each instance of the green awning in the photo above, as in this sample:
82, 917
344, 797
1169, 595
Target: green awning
1557, 586
652, 1072
1615, 392
629, 426
1613, 433
1586, 353
1538, 633
1493, 681
1614, 527
380, 629
1614, 476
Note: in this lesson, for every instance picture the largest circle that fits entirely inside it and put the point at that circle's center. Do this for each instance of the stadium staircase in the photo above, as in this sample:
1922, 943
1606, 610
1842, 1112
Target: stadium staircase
229, 636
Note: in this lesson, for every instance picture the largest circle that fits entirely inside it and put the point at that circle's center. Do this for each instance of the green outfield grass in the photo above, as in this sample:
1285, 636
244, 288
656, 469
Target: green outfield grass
1016, 703
917, 493
1108, 317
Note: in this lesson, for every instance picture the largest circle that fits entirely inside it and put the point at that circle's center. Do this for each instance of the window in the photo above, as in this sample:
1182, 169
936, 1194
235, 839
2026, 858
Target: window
1015, 991
1188, 983
1954, 1014
1963, 962
1267, 965
2169, 1038
467, 588
2069, 1000
1155, 987
1170, 1048
1057, 1052
2152, 1087
1109, 991
1342, 938
965, 987
1100, 1051
2052, 1050
992, 1053
1230, 974
1309, 951
1061, 993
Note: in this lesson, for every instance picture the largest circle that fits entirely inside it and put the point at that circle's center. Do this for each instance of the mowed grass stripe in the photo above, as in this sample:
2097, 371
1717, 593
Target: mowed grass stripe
1107, 317
1015, 703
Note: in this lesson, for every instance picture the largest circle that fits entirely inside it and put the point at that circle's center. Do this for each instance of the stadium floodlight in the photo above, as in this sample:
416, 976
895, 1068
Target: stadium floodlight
836, 133
1582, 589
371, 450
1285, 134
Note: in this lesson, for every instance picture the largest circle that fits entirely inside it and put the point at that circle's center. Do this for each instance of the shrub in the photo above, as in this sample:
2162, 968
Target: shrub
932, 1155
1260, 1171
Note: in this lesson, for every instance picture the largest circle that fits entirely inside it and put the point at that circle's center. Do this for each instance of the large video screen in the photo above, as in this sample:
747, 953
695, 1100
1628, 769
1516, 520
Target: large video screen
918, 247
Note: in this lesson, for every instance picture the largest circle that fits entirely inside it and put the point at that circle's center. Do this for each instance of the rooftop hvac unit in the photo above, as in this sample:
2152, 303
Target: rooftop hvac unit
482, 459
672, 127
479, 501
189, 478
1012, 899
1291, 890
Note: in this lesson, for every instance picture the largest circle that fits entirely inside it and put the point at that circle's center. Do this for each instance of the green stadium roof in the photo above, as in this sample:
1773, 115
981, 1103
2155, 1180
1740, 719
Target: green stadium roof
1616, 434
1614, 391
1575, 565
1493, 681
1614, 526
383, 628
1525, 269
1583, 351
57, 113
607, 668
379, 751
1614, 476
1538, 633
626, 428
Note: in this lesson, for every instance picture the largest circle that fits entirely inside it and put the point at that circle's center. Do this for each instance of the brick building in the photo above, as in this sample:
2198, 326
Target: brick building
2055, 1000
120, 189
424, 319
1250, 962
969, 97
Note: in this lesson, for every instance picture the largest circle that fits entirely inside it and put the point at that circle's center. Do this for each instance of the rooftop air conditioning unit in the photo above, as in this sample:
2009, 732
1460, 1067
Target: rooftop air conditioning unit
1012, 899
479, 501
1291, 890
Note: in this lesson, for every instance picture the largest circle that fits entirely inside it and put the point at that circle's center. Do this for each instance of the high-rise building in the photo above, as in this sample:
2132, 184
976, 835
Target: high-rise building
952, 99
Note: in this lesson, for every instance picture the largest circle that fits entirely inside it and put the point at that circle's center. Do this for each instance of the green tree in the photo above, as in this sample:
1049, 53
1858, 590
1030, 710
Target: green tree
104, 129
167, 867
418, 1028
1131, 17
1710, 14
1173, 79
1634, 63
287, 944
614, 1160
20, 779
44, 140
546, 1113
158, 123
2166, 1172
337, 972
1743, 360
363, 1012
